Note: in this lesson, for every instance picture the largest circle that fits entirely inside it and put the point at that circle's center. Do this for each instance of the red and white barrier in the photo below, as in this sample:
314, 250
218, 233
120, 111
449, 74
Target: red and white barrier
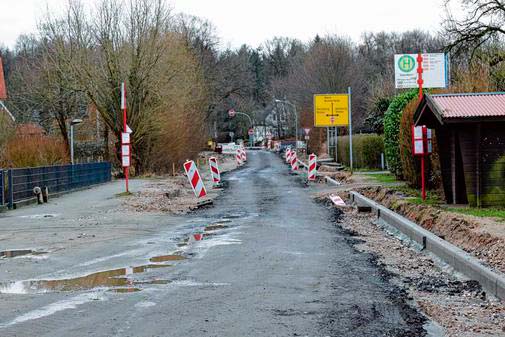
312, 167
244, 155
214, 170
238, 157
195, 179
294, 161
288, 155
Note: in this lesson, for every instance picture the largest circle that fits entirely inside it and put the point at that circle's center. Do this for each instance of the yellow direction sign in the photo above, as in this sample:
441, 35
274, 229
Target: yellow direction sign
331, 110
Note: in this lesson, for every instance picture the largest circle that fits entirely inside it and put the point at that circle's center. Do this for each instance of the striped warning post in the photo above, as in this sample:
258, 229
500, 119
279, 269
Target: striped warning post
294, 161
214, 170
244, 155
288, 155
312, 167
194, 179
238, 157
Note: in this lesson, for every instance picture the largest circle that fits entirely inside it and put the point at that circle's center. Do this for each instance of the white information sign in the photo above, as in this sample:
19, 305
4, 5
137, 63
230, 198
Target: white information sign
126, 161
435, 70
418, 132
125, 138
230, 148
418, 146
125, 150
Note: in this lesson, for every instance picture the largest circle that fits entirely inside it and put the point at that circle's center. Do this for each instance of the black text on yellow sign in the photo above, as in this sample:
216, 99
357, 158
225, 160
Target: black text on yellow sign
331, 110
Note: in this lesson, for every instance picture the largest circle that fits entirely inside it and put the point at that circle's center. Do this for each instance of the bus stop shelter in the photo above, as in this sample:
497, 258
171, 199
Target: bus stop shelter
470, 136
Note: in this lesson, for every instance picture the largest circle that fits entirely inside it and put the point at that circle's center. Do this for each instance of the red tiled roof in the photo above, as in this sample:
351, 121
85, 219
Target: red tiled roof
471, 105
3, 90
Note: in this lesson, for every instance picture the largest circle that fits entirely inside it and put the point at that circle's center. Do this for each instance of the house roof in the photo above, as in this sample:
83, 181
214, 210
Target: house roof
459, 107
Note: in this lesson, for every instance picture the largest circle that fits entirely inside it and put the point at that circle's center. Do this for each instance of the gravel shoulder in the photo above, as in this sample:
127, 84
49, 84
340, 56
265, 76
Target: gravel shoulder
457, 306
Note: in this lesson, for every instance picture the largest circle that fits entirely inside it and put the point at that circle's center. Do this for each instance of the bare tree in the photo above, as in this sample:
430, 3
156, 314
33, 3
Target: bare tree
135, 42
484, 21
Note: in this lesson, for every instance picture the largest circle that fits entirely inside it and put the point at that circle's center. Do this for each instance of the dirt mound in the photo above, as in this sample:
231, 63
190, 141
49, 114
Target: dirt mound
174, 194
340, 176
477, 236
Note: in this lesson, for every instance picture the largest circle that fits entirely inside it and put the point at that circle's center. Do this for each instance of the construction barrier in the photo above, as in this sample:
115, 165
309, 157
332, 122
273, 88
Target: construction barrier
195, 179
214, 170
238, 157
244, 155
312, 170
294, 161
288, 155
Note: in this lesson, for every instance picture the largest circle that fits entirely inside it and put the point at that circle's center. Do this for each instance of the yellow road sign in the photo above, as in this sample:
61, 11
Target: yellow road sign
331, 110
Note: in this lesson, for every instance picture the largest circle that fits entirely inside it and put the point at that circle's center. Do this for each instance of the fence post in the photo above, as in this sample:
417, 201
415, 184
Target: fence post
2, 188
10, 189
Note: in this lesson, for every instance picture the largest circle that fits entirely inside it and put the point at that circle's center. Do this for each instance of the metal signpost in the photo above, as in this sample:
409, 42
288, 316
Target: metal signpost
125, 138
422, 146
232, 113
422, 70
334, 110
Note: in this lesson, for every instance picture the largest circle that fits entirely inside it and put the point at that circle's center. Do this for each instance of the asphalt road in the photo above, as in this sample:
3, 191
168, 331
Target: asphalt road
272, 263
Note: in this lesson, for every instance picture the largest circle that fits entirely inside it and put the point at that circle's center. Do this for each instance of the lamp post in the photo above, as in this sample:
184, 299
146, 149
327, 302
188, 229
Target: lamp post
232, 113
72, 123
285, 101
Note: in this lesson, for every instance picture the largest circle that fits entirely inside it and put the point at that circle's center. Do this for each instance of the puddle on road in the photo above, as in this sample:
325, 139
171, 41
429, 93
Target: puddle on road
115, 279
215, 227
125, 290
165, 258
19, 252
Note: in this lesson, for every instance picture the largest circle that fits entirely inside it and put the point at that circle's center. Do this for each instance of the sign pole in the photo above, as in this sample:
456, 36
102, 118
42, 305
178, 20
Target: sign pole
349, 91
420, 84
123, 106
328, 139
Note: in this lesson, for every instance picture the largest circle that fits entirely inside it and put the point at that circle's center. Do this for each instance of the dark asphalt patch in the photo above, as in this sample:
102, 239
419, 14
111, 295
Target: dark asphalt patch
361, 315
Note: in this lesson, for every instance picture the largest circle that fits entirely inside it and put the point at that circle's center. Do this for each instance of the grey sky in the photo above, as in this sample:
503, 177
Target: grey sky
254, 21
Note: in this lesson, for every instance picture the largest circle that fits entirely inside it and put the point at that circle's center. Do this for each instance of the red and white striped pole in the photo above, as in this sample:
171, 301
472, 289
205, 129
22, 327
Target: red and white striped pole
312, 172
294, 161
238, 157
123, 107
195, 179
214, 171
288, 155
244, 155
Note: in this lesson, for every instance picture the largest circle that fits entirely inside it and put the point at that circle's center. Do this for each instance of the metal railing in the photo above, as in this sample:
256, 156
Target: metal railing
2, 188
21, 181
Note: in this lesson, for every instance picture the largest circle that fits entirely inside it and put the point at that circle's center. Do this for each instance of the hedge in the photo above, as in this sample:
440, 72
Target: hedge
392, 119
367, 149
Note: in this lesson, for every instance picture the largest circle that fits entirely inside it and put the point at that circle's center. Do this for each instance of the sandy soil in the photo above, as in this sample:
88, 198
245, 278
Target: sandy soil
484, 238
173, 194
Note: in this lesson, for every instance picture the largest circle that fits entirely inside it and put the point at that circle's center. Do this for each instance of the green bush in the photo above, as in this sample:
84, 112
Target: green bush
367, 149
392, 130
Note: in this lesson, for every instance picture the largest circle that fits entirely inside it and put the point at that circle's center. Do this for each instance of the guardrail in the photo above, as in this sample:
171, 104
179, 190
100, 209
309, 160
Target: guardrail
62, 178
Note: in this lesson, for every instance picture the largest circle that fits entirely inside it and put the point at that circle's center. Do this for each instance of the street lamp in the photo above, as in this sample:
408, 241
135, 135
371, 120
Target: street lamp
285, 101
232, 113
72, 123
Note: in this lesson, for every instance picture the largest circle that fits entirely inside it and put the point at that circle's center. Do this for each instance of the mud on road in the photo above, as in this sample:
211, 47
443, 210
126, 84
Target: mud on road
266, 260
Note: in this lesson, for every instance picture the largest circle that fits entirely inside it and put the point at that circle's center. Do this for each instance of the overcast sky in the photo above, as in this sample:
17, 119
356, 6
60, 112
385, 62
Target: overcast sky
254, 21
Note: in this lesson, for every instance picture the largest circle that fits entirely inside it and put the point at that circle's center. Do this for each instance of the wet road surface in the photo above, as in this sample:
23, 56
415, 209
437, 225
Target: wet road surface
266, 260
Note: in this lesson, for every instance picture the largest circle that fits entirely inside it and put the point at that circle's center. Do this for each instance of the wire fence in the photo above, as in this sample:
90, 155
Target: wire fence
22, 181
